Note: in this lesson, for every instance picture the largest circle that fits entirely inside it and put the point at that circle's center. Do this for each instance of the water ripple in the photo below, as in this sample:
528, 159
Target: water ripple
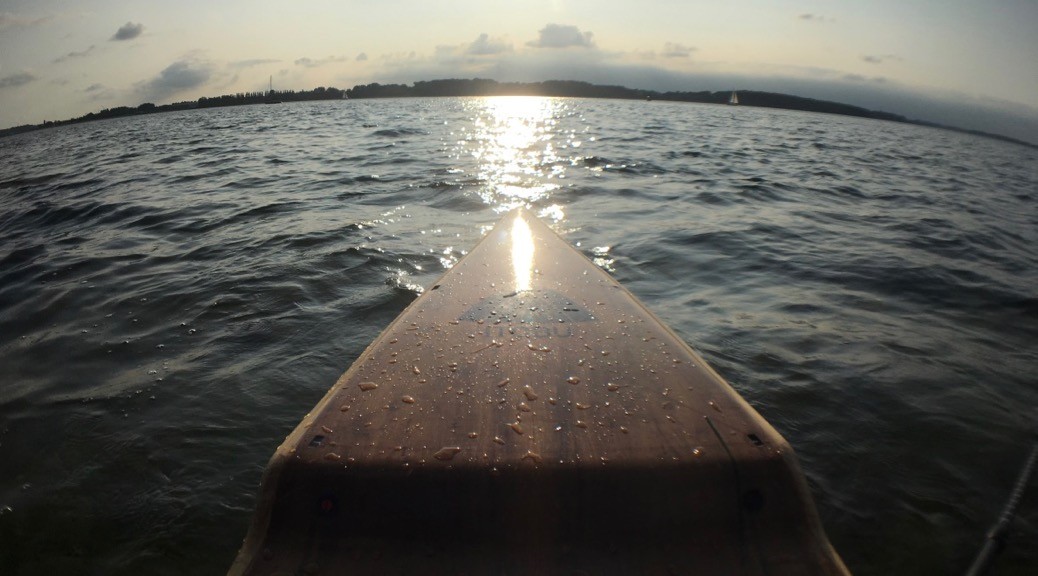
177, 290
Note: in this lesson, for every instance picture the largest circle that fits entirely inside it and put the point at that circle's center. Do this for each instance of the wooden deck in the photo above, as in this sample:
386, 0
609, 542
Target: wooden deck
527, 415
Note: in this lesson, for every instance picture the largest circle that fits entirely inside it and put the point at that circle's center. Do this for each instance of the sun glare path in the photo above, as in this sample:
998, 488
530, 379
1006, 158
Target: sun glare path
522, 254
517, 159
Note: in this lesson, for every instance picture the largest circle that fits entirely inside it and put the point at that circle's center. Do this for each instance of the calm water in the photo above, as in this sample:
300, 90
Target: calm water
177, 291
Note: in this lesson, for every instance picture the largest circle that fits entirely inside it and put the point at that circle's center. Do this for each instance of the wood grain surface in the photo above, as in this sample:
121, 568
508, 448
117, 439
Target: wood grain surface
527, 415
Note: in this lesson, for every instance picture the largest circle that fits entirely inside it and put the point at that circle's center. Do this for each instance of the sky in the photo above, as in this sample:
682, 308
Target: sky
968, 63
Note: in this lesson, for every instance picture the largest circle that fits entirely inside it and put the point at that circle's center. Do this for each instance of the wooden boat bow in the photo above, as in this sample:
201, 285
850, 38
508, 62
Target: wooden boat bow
527, 415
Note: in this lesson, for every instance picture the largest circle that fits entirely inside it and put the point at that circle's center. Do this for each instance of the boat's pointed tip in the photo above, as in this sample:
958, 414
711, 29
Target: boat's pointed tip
514, 213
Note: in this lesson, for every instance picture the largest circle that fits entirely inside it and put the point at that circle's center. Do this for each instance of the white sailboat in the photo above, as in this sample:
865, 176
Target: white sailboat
733, 100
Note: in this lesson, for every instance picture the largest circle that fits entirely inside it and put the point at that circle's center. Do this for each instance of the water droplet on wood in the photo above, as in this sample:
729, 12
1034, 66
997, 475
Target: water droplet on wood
531, 455
446, 453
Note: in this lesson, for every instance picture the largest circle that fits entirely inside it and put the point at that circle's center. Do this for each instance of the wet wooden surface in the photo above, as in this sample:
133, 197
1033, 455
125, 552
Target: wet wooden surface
526, 415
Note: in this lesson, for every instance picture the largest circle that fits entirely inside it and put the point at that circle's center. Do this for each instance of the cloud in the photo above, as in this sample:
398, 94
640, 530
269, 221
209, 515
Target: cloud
469, 56
874, 59
860, 78
10, 21
393, 58
484, 46
128, 31
253, 62
816, 18
72, 55
562, 36
672, 50
311, 63
519, 65
179, 76
362, 57
99, 93
16, 80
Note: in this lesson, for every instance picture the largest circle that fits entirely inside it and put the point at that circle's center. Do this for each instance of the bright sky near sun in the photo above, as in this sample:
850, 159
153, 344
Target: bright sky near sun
966, 62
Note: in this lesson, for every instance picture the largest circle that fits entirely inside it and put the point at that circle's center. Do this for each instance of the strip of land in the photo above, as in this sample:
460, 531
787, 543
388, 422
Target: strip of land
484, 87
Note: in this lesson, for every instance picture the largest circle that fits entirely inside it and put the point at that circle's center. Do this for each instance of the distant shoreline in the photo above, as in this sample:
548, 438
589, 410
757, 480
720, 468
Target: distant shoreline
484, 87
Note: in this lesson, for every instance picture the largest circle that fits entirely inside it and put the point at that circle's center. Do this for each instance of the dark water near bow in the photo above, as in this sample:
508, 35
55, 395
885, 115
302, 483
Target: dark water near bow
177, 291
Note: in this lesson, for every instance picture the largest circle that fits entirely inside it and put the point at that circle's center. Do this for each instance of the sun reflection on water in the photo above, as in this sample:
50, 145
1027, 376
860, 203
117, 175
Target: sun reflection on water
513, 141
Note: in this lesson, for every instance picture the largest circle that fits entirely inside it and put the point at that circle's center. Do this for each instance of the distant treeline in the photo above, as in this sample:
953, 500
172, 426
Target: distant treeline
575, 89
239, 99
484, 87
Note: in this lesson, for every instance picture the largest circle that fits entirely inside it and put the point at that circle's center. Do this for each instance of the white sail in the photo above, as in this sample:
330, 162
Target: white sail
733, 99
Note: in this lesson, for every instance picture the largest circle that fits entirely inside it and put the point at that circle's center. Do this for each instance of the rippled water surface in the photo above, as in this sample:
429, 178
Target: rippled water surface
178, 290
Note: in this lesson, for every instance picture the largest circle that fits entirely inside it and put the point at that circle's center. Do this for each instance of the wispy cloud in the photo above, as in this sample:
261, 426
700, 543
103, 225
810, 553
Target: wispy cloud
860, 78
673, 50
815, 18
362, 57
99, 93
311, 63
180, 76
71, 55
128, 31
16, 80
9, 20
480, 51
253, 62
485, 46
879, 59
562, 36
